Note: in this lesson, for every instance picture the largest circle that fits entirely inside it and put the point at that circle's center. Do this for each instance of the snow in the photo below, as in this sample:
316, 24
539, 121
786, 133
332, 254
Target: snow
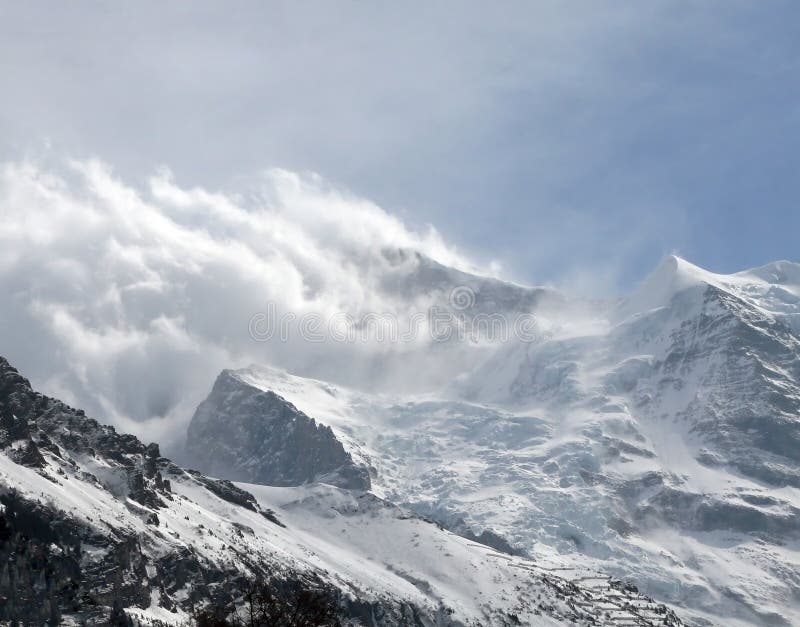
367, 547
671, 276
773, 289
516, 445
552, 445
155, 614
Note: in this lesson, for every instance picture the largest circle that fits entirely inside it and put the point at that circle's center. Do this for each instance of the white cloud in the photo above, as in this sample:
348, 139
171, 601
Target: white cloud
128, 302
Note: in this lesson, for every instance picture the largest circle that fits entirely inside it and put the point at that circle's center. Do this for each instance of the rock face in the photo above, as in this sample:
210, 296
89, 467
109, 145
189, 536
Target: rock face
82, 562
246, 434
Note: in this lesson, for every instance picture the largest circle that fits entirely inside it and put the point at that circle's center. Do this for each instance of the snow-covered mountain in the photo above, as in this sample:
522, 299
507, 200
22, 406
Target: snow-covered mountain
656, 439
97, 528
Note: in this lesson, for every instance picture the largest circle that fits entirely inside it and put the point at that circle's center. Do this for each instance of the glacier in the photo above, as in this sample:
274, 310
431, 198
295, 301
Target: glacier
655, 439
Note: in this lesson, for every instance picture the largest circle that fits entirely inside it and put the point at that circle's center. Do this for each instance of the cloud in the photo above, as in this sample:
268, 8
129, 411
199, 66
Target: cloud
644, 118
558, 139
129, 301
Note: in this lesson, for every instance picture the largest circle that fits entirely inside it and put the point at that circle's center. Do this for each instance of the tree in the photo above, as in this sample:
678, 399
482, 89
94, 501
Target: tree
278, 603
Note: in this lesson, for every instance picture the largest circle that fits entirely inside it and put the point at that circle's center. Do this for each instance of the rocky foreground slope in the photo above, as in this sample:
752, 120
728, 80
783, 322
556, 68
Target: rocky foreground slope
98, 528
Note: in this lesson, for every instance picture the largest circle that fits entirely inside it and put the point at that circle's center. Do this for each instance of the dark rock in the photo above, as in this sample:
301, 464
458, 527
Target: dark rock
245, 434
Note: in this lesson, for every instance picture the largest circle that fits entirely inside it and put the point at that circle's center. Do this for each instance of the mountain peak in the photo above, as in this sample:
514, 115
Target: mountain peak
674, 274
254, 435
784, 273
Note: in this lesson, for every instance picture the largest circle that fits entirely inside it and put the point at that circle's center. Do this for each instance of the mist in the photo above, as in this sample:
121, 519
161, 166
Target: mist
129, 300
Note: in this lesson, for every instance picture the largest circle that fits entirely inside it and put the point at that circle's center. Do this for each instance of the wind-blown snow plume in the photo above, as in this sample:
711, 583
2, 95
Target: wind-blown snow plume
129, 301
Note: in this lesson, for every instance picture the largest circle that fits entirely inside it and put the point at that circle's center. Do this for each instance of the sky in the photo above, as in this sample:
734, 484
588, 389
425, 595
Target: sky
169, 170
568, 143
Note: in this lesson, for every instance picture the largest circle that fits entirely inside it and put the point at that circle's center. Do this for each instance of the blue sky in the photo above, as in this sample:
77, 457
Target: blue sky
576, 143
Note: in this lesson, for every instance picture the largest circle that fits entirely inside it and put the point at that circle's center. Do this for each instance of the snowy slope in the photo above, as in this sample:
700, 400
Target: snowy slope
658, 440
362, 539
95, 523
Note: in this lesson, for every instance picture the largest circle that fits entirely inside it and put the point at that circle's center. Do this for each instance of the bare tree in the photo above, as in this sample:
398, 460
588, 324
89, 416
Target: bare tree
278, 603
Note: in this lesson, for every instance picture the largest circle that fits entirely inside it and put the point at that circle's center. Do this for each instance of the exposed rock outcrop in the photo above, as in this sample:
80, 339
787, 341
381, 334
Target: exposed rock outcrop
245, 434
